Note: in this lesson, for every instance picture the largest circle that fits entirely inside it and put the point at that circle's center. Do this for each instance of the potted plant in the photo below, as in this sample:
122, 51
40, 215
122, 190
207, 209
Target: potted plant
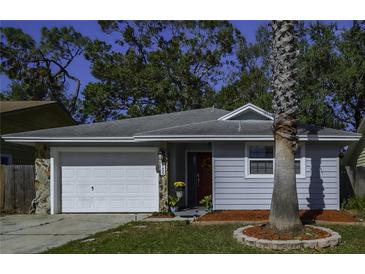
173, 201
207, 202
179, 187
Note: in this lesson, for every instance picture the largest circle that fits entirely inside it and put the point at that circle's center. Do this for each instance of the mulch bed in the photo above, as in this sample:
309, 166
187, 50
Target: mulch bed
265, 232
263, 215
162, 215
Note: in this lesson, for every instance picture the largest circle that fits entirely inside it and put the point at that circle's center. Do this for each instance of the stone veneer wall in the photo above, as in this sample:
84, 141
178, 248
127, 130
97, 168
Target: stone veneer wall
163, 182
41, 202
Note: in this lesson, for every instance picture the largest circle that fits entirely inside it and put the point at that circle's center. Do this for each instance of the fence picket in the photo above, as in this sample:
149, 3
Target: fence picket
16, 188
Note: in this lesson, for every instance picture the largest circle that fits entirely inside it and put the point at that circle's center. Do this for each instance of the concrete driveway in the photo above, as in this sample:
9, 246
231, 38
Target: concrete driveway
34, 234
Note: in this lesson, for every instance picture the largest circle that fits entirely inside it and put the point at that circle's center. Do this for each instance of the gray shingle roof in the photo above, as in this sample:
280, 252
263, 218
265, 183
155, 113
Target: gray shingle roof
200, 122
128, 127
234, 127
7, 106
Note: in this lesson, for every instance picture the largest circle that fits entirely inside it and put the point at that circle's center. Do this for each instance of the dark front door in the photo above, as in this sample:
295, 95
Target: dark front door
204, 174
199, 176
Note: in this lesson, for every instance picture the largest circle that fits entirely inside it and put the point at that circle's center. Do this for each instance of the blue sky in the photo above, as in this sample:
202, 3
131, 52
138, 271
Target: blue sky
81, 67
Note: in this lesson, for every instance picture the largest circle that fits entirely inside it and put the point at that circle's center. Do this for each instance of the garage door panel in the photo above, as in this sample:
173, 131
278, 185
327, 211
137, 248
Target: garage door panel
109, 188
101, 172
134, 173
84, 203
68, 173
133, 188
82, 189
117, 173
68, 188
68, 203
149, 188
83, 172
132, 203
117, 189
117, 203
100, 203
100, 189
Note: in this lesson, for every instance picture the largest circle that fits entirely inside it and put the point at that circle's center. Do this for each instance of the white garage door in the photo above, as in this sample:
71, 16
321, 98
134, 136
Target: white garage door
109, 182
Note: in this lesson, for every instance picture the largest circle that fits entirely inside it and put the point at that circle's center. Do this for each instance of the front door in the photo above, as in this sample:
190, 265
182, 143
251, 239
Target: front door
204, 174
199, 176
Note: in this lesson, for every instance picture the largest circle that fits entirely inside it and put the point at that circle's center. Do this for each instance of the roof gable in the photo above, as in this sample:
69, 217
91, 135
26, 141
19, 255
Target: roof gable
248, 112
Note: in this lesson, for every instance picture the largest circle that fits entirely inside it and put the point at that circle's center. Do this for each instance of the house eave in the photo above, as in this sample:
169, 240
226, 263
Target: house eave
243, 138
147, 138
68, 139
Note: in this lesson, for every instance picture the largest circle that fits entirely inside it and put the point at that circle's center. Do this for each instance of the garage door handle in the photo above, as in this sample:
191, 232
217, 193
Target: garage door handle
92, 188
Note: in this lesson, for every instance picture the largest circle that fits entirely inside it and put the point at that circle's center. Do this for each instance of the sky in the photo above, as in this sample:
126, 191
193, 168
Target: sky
80, 66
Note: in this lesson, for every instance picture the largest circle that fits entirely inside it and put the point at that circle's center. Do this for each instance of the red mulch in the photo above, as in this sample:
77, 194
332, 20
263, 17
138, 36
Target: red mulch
263, 215
264, 232
162, 215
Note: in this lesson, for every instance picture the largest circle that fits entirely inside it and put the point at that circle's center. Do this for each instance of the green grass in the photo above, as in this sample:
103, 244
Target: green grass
179, 237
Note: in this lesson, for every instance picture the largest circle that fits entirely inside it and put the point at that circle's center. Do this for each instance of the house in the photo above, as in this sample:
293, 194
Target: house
354, 162
19, 116
129, 165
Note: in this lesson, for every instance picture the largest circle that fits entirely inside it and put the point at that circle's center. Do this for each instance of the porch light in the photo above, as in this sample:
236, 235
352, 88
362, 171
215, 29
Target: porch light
161, 165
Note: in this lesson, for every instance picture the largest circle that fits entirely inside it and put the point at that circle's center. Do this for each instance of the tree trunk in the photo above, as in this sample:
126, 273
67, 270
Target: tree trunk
284, 215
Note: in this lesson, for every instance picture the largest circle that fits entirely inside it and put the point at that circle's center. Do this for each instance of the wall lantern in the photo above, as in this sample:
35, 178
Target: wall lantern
161, 165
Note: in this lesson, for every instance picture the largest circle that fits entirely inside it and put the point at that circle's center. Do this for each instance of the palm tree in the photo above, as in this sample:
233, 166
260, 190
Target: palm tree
284, 215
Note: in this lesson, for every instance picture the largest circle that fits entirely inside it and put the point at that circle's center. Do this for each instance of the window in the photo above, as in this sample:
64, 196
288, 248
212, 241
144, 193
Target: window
261, 160
6, 159
297, 163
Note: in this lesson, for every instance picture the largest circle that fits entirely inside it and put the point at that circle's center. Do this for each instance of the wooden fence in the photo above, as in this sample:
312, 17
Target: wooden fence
16, 188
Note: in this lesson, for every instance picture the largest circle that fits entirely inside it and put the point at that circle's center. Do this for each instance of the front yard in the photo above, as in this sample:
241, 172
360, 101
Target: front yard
180, 237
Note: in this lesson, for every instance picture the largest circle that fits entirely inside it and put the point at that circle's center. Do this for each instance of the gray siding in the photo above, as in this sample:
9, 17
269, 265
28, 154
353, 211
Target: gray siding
232, 190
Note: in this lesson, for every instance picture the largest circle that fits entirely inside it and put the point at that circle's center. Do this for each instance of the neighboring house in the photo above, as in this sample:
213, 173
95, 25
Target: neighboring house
19, 116
354, 162
129, 165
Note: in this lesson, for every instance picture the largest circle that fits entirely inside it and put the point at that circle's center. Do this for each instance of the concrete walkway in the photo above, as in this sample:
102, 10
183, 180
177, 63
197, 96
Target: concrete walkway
34, 234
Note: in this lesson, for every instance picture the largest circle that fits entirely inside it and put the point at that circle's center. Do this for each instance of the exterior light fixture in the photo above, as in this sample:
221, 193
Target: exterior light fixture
161, 165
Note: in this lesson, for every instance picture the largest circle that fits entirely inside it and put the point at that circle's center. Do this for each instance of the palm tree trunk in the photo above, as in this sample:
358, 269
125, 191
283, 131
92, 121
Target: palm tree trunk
284, 215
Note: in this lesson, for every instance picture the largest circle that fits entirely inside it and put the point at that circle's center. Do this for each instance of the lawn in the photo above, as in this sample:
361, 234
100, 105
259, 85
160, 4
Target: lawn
180, 237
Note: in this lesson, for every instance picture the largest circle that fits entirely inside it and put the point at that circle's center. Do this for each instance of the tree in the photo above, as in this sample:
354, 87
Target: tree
315, 63
252, 85
347, 78
331, 85
40, 71
284, 214
158, 67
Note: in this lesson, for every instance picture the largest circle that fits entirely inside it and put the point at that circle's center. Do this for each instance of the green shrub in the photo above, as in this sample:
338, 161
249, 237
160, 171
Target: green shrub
355, 203
207, 202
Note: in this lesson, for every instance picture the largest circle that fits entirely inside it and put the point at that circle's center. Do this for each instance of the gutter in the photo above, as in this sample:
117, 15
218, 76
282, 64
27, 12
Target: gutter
146, 138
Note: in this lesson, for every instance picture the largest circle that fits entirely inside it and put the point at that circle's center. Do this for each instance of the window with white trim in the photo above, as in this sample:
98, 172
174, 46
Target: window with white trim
297, 163
261, 160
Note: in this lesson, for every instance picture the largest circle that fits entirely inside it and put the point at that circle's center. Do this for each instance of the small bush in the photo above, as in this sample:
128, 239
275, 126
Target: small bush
355, 203
207, 202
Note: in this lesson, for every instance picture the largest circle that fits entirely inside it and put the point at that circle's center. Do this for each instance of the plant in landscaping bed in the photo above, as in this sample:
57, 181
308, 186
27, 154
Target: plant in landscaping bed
207, 202
172, 203
355, 203
179, 187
